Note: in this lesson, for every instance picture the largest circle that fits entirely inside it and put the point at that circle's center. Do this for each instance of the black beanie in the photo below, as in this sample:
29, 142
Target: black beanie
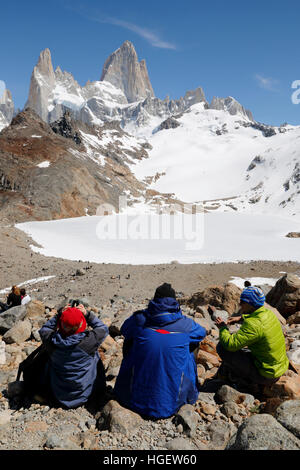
165, 290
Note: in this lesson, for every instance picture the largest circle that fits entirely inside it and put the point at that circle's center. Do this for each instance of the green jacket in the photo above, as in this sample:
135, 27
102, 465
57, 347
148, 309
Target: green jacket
261, 332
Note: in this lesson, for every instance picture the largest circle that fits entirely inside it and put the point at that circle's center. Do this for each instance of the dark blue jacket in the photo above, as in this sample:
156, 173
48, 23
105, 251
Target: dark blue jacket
158, 373
72, 366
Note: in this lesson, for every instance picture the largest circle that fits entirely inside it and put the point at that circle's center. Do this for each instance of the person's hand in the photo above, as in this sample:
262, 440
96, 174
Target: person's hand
65, 308
220, 323
82, 309
232, 320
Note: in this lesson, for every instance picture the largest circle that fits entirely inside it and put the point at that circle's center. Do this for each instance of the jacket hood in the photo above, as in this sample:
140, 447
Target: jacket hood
70, 341
162, 311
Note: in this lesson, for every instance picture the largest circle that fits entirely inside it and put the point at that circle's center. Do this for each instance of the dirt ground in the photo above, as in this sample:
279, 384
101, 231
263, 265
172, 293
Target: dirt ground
100, 282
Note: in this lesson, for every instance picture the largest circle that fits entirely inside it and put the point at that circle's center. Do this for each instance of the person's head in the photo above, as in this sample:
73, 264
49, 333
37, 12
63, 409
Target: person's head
247, 284
252, 298
23, 292
165, 290
15, 290
72, 321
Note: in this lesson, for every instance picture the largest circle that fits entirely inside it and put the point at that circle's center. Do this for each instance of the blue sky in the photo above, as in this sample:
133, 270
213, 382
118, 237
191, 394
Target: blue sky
249, 50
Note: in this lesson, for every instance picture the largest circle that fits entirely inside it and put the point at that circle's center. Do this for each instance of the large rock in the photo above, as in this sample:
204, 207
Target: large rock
227, 394
188, 418
20, 332
288, 414
180, 443
34, 309
285, 295
118, 320
117, 419
287, 387
9, 318
252, 435
220, 434
225, 297
294, 319
206, 358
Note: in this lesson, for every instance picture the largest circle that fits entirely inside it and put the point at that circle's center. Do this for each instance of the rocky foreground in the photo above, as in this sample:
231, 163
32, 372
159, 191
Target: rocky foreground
227, 415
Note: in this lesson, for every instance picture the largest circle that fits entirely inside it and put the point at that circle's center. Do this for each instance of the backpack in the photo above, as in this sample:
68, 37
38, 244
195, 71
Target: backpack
33, 368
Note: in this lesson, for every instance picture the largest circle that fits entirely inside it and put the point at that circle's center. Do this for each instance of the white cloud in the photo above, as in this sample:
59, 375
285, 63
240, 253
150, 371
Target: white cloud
267, 83
145, 33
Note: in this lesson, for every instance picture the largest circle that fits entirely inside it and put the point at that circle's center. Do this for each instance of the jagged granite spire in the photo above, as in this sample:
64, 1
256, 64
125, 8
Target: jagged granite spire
123, 70
41, 85
6, 108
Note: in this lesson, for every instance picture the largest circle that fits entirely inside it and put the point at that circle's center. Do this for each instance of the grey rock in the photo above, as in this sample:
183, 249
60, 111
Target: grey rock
116, 419
252, 435
9, 318
229, 394
231, 105
220, 314
206, 397
288, 415
55, 441
180, 443
20, 332
188, 418
220, 433
230, 409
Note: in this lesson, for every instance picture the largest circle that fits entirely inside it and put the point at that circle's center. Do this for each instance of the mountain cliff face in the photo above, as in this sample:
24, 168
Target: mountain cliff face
6, 109
123, 70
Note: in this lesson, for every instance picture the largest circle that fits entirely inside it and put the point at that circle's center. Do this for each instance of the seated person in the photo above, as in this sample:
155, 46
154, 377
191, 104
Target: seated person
25, 297
13, 299
265, 360
74, 370
158, 373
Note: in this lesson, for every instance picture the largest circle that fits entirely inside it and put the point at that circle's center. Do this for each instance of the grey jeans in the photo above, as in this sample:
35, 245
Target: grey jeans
242, 365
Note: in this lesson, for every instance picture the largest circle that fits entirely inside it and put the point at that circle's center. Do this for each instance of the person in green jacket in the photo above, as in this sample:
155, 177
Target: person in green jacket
265, 359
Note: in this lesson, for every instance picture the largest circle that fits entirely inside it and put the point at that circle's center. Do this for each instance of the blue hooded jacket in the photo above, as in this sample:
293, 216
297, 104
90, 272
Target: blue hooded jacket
159, 374
74, 361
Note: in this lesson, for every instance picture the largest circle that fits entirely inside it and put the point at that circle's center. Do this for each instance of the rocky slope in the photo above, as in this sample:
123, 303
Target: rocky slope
227, 414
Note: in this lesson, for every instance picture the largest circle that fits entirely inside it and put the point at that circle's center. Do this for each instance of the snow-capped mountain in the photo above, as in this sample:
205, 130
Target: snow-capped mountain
123, 93
225, 161
6, 108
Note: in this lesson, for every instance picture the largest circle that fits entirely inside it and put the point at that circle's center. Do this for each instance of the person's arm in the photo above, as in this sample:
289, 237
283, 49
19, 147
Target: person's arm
49, 328
197, 333
96, 336
249, 333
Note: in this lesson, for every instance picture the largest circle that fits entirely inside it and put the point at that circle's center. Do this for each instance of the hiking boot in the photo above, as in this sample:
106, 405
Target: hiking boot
40, 399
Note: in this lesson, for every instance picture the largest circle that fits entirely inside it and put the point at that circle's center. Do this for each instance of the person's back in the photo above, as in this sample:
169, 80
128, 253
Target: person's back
74, 368
25, 297
158, 373
14, 298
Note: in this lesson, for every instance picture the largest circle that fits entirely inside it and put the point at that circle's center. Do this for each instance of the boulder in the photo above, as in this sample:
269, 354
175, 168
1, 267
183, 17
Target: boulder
227, 394
20, 332
35, 308
180, 443
117, 419
9, 318
287, 387
285, 295
278, 315
188, 418
209, 346
294, 356
225, 297
220, 433
5, 417
206, 358
252, 435
288, 415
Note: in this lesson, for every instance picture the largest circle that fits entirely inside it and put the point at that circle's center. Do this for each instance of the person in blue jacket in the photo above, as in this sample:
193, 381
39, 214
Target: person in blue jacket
74, 370
158, 373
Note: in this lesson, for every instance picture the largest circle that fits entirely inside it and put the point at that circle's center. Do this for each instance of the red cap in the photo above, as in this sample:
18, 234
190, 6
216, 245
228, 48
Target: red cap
72, 318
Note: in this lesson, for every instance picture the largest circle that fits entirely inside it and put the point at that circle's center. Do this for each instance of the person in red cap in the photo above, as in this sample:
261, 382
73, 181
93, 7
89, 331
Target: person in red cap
74, 370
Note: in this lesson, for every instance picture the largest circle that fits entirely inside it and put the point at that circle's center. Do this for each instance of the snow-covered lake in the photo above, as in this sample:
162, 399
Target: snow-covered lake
228, 237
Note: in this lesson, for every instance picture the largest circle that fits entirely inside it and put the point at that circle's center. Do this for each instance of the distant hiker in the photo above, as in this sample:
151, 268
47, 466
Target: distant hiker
158, 373
74, 370
247, 284
13, 299
265, 360
25, 297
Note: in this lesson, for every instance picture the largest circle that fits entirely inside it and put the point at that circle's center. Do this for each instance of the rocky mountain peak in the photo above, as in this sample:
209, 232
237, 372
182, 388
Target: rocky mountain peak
123, 70
230, 105
6, 108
